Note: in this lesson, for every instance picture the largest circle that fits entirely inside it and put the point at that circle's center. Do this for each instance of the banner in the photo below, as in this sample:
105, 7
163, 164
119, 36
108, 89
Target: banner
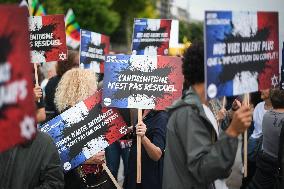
94, 47
151, 36
47, 38
72, 30
84, 130
242, 52
17, 106
144, 82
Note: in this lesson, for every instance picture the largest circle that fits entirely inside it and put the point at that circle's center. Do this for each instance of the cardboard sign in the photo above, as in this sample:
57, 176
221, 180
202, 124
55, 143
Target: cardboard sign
17, 106
144, 82
47, 38
242, 50
94, 47
84, 130
151, 36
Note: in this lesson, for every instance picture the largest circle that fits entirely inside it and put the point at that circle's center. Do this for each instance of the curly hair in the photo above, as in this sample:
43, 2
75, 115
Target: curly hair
64, 66
193, 64
76, 85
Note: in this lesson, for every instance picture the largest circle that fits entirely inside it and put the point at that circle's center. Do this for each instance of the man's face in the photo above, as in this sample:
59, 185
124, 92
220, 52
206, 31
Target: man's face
265, 94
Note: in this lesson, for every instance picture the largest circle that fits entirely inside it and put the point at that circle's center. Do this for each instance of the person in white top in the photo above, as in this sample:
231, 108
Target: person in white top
219, 184
255, 140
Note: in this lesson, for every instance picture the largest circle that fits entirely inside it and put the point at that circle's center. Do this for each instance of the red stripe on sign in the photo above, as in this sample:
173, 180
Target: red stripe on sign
175, 80
117, 127
93, 100
166, 24
269, 20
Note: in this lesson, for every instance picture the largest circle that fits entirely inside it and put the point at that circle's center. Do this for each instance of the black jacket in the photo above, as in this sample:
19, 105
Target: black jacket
35, 165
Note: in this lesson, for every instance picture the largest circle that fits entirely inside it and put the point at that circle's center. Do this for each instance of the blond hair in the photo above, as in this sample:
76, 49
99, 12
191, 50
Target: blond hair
75, 85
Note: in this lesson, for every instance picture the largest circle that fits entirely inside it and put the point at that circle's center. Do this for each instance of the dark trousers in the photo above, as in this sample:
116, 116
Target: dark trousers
113, 153
266, 172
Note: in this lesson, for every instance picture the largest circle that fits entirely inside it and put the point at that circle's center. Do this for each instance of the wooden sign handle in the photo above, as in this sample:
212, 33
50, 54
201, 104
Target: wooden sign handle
36, 75
247, 102
138, 179
111, 176
224, 102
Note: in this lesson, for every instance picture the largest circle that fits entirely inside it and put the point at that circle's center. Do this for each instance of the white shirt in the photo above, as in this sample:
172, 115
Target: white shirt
258, 114
209, 114
219, 184
43, 85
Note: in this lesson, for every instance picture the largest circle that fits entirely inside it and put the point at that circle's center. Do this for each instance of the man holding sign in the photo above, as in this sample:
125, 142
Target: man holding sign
194, 158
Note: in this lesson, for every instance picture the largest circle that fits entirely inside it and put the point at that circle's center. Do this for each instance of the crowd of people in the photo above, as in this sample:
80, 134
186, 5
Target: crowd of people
191, 145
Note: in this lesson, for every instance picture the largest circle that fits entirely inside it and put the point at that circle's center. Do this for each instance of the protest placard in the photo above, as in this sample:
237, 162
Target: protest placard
17, 106
94, 47
47, 38
143, 82
84, 130
241, 52
151, 36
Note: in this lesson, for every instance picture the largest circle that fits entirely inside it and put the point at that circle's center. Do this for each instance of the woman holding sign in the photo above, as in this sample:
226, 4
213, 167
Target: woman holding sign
153, 133
76, 85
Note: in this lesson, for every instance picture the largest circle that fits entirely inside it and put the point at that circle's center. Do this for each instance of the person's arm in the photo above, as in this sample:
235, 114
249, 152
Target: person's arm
153, 148
154, 152
206, 161
96, 159
229, 115
40, 115
40, 112
51, 173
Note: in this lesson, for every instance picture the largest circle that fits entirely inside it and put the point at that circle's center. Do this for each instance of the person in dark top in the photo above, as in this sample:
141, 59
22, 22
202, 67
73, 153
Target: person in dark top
119, 148
50, 89
153, 133
40, 111
268, 162
33, 165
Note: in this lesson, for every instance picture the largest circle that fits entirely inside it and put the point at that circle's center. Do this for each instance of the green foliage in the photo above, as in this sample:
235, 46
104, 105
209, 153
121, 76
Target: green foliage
9, 1
128, 10
190, 31
110, 17
94, 15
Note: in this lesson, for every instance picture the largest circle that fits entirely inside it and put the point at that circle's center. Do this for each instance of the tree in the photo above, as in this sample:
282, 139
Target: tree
110, 17
191, 31
94, 15
129, 10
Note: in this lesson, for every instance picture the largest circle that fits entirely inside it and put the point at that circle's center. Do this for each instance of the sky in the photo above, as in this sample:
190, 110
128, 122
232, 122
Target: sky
197, 7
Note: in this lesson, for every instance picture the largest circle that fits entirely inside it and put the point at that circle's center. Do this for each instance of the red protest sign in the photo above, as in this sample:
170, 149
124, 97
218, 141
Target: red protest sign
47, 38
17, 122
